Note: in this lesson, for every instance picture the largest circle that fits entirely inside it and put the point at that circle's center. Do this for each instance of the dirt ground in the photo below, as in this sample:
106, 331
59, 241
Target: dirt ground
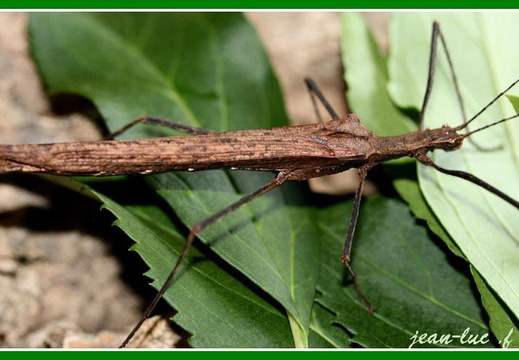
66, 279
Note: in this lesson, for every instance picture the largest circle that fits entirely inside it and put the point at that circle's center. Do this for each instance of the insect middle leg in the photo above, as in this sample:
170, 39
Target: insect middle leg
346, 252
314, 91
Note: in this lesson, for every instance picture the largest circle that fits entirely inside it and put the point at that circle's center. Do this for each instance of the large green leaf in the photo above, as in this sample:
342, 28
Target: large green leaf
207, 70
484, 55
207, 290
413, 285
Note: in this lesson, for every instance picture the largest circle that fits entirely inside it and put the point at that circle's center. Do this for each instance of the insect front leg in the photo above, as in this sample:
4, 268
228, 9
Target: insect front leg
438, 35
346, 251
193, 130
426, 160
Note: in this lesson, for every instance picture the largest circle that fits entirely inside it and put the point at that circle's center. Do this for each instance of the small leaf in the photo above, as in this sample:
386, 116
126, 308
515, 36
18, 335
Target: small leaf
514, 100
402, 272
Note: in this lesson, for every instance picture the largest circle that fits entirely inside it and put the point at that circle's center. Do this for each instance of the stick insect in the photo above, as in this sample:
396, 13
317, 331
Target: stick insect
317, 150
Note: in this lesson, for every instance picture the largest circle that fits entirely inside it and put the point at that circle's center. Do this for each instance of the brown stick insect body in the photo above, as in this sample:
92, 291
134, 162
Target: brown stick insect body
315, 150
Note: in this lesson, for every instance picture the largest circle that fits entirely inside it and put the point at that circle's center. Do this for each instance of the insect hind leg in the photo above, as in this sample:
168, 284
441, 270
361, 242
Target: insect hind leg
146, 119
195, 229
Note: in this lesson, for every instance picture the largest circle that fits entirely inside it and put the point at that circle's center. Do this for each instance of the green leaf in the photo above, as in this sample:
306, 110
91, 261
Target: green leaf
207, 70
408, 278
366, 76
514, 100
215, 295
325, 333
503, 324
484, 55
409, 189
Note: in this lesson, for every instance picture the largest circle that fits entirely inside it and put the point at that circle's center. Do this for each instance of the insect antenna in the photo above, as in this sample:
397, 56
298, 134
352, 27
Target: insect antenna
492, 124
466, 123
